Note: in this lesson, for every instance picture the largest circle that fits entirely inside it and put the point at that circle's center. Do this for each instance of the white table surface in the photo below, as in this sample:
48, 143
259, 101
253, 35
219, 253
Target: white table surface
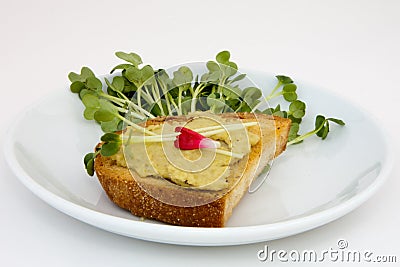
350, 47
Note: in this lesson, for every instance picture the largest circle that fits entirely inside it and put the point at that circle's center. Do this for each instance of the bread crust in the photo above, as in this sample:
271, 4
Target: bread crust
123, 189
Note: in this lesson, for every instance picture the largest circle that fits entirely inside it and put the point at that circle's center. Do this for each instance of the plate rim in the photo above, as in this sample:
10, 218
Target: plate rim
196, 236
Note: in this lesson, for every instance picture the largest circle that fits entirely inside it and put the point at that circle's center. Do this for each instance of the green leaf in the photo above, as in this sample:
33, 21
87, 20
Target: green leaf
131, 58
120, 67
238, 78
319, 121
133, 74
103, 115
111, 137
297, 109
223, 57
294, 128
338, 121
231, 92
297, 105
325, 130
109, 85
88, 157
280, 113
254, 103
88, 113
187, 73
202, 100
92, 105
88, 161
251, 94
84, 92
186, 101
109, 149
215, 103
129, 88
293, 132
105, 104
289, 87
74, 77
298, 114
232, 103
86, 73
290, 96
211, 77
156, 110
77, 86
118, 83
94, 83
321, 129
107, 111
284, 79
182, 76
276, 111
111, 126
212, 66
268, 111
245, 107
232, 66
147, 73
90, 167
229, 69
294, 120
139, 76
163, 77
91, 101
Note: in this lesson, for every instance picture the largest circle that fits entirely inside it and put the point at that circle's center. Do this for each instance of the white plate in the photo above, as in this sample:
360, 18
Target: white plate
309, 185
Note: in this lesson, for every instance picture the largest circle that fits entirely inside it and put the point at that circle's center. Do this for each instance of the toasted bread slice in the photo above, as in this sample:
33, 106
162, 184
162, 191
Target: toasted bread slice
122, 186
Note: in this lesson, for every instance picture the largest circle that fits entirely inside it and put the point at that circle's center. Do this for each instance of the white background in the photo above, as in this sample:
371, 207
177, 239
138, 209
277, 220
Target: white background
350, 47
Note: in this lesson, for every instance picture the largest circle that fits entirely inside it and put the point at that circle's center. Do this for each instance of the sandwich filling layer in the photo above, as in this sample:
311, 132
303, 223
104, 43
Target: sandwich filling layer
196, 168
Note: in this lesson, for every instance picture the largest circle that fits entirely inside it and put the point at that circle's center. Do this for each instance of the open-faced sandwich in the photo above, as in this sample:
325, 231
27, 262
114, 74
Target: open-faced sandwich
192, 187
185, 150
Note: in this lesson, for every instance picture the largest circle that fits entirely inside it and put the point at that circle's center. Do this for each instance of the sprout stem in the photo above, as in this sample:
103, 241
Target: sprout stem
271, 96
180, 101
227, 153
173, 103
149, 139
134, 125
166, 96
128, 102
194, 97
274, 90
156, 93
227, 127
304, 136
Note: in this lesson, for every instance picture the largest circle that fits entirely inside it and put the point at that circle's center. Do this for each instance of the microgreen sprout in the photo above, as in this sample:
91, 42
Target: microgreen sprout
321, 129
288, 88
296, 111
138, 92
111, 145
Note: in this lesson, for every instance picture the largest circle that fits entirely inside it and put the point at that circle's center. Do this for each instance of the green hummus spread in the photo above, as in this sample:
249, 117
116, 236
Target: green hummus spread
199, 168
